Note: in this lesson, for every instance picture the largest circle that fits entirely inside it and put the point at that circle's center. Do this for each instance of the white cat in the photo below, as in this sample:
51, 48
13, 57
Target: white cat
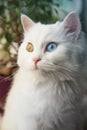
50, 86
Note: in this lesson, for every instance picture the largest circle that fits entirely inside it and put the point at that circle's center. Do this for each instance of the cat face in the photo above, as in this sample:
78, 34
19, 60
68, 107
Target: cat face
49, 48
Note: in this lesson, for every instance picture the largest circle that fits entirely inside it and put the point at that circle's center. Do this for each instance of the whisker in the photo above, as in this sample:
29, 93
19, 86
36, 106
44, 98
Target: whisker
63, 71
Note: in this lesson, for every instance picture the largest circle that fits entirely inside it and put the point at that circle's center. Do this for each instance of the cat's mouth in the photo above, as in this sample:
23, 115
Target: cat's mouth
40, 67
36, 67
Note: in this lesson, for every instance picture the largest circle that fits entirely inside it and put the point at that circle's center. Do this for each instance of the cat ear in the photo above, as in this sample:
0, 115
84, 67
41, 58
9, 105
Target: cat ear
72, 24
27, 23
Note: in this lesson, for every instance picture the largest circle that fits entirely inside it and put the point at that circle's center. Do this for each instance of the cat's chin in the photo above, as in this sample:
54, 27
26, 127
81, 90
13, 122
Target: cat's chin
41, 71
38, 69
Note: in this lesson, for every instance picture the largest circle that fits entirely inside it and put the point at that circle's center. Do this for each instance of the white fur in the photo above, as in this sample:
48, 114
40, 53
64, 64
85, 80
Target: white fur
42, 99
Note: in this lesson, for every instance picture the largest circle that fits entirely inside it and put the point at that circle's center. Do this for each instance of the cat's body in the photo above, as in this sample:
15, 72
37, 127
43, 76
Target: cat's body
43, 105
50, 87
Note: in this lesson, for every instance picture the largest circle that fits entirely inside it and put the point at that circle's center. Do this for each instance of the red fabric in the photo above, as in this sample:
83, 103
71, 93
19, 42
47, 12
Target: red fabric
5, 84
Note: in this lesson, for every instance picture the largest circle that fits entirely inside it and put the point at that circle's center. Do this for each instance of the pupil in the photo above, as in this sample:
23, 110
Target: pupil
52, 47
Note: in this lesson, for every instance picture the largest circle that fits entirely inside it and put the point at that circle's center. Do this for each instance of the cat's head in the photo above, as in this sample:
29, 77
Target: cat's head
52, 48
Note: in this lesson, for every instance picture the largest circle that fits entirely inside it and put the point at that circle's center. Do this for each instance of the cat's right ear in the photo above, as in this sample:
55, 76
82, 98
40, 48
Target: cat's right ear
72, 25
27, 23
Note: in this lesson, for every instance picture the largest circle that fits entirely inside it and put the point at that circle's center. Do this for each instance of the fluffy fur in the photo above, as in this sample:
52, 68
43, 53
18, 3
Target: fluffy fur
53, 95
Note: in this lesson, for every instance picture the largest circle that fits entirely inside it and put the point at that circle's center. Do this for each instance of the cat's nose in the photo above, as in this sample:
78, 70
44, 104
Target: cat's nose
36, 60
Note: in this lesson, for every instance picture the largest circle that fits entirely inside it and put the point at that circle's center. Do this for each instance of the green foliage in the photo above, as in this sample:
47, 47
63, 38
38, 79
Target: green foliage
10, 11
43, 11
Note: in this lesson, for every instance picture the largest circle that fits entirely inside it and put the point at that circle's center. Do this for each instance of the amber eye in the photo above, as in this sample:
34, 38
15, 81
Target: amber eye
29, 47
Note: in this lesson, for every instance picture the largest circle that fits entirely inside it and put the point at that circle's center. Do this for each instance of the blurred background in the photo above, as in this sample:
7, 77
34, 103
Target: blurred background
46, 11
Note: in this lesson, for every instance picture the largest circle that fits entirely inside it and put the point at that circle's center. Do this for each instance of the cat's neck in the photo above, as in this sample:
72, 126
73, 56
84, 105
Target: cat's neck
39, 76
33, 76
31, 81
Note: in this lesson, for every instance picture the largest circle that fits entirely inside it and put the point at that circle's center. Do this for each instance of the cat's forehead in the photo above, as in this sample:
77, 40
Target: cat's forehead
46, 28
41, 32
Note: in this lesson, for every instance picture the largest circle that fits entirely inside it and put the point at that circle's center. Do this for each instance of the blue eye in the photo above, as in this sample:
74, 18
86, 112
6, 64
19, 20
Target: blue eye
51, 46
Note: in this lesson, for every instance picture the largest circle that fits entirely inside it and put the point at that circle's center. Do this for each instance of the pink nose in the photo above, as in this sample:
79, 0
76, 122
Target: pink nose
36, 60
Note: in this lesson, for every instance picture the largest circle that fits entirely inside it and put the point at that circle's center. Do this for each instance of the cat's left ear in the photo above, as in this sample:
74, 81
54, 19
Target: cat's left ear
72, 24
27, 23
